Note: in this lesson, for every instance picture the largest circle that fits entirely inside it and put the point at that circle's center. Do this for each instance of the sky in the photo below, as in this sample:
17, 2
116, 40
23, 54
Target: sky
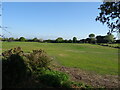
49, 20
53, 0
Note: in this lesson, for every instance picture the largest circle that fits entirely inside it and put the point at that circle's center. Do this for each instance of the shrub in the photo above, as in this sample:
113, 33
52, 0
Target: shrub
39, 61
19, 67
54, 79
10, 52
59, 79
14, 67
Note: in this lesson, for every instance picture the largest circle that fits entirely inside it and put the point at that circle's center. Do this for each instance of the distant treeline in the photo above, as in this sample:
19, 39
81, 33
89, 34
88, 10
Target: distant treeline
109, 38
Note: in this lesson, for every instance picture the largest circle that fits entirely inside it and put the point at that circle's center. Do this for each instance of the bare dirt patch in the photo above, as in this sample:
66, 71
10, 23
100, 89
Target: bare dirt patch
95, 80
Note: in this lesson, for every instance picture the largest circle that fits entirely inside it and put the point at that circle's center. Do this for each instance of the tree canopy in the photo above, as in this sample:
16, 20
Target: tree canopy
22, 39
109, 38
35, 39
59, 40
110, 15
92, 35
74, 39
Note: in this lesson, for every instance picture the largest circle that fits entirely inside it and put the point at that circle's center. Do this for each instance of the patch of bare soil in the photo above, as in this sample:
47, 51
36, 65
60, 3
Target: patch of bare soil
95, 80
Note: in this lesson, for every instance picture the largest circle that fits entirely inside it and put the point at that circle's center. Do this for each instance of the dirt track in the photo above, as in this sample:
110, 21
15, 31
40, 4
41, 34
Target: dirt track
95, 80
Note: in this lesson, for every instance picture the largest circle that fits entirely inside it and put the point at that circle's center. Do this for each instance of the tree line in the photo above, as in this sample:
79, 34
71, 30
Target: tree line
109, 38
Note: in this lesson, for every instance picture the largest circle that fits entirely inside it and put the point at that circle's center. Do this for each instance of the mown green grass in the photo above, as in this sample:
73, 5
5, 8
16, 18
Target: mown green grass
94, 58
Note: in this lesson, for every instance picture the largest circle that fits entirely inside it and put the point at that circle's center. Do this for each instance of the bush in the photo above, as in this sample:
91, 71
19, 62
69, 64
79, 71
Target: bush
19, 67
54, 79
39, 61
10, 52
59, 79
14, 67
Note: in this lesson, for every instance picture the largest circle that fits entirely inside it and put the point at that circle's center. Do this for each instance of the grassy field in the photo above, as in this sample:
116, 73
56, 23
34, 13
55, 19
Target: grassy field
94, 58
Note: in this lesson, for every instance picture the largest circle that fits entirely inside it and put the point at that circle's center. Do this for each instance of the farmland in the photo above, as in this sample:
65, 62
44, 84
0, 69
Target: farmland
88, 57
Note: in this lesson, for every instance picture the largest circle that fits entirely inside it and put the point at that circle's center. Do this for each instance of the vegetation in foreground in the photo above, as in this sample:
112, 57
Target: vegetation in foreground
89, 57
22, 70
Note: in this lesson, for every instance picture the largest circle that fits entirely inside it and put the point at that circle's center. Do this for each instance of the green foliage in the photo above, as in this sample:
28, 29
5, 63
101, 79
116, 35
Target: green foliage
19, 67
54, 79
15, 68
109, 38
35, 39
10, 52
100, 39
59, 40
110, 14
11, 39
5, 39
22, 39
70, 41
74, 39
92, 35
93, 40
39, 60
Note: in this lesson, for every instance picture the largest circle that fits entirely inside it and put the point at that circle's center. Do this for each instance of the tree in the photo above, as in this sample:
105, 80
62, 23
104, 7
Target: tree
65, 41
74, 39
92, 36
109, 38
47, 41
110, 15
22, 39
5, 39
35, 39
69, 41
59, 40
93, 40
100, 39
87, 40
83, 41
11, 39
16, 39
